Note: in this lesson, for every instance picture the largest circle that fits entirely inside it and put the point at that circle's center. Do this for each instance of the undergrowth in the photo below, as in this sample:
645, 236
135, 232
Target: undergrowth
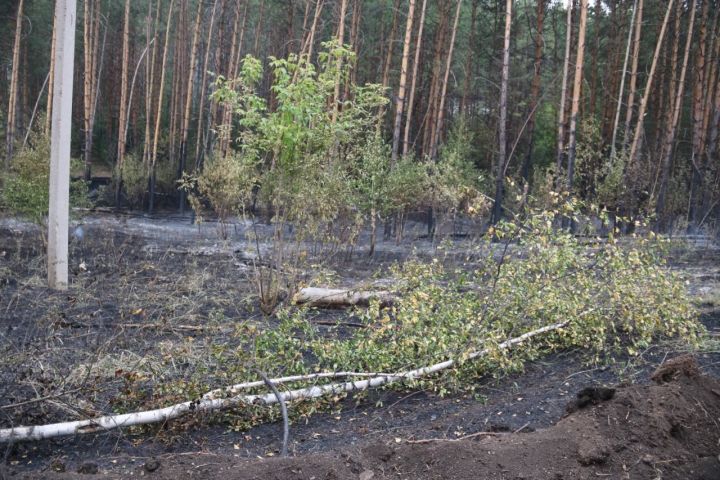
618, 296
24, 188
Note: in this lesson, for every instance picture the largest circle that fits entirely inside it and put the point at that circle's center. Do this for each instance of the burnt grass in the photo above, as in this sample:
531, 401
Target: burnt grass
144, 303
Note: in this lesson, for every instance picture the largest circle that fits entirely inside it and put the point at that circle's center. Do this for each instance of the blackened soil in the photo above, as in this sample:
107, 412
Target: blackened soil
666, 430
129, 303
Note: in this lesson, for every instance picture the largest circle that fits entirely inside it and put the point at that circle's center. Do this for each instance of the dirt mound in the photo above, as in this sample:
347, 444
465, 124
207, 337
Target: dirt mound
684, 365
668, 430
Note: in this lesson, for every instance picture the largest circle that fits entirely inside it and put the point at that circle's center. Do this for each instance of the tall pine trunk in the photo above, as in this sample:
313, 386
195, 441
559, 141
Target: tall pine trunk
502, 127
388, 62
413, 83
158, 113
91, 43
535, 88
697, 193
14, 80
435, 141
563, 95
226, 121
616, 123
434, 92
470, 58
577, 88
633, 72
123, 103
639, 127
670, 137
199, 144
187, 108
338, 64
400, 103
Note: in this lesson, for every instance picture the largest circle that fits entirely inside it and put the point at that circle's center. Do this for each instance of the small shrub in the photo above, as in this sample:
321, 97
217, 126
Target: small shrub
134, 179
457, 184
294, 159
26, 186
408, 185
226, 183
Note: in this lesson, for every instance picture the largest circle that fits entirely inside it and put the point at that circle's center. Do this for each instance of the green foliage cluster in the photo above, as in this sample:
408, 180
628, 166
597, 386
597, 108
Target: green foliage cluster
226, 184
456, 182
25, 186
134, 174
134, 179
310, 161
617, 296
315, 165
292, 157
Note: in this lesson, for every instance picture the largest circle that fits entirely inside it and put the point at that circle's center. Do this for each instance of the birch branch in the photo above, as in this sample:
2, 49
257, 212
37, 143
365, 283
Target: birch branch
208, 403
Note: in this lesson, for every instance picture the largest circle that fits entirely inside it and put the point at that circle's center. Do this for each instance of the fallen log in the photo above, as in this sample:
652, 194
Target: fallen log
339, 298
108, 422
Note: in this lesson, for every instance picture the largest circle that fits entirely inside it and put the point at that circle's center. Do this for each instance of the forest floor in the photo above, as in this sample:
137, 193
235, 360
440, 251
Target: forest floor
146, 292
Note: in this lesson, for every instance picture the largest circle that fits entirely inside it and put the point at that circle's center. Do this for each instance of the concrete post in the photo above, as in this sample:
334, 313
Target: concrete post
58, 217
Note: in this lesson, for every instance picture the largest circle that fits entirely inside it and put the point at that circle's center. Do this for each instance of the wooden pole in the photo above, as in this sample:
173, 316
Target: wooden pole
65, 17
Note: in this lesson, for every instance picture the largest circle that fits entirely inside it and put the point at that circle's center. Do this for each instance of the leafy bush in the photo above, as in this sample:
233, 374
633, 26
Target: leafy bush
591, 164
611, 186
408, 185
457, 184
296, 158
226, 183
615, 297
25, 189
134, 179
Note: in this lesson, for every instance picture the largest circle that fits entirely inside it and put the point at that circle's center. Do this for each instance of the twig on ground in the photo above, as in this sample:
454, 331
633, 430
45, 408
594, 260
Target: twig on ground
405, 398
339, 324
521, 428
39, 399
160, 326
464, 437
467, 437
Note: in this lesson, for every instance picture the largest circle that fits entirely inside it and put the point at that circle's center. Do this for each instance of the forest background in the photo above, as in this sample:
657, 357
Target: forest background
519, 108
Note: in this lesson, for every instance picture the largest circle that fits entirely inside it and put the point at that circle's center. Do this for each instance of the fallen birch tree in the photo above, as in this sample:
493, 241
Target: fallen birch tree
211, 400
